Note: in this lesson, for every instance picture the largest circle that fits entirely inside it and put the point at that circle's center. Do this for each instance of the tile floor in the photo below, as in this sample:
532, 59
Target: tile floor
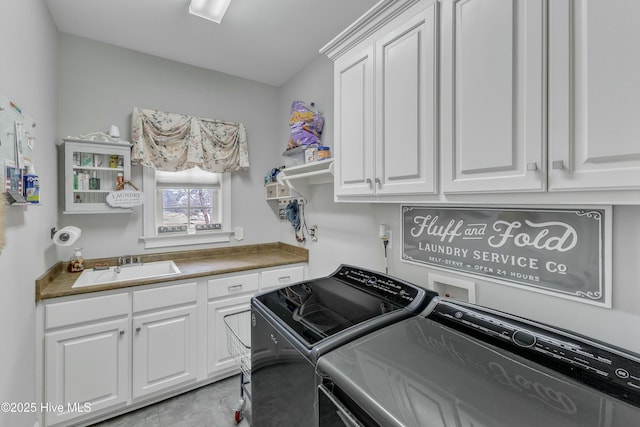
209, 406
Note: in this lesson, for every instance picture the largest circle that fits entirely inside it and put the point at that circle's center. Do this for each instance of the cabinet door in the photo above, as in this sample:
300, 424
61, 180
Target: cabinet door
219, 360
493, 96
406, 105
354, 127
88, 364
594, 94
164, 350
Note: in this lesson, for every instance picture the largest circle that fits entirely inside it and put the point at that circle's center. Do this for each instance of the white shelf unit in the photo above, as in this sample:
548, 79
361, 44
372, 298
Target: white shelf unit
298, 178
93, 201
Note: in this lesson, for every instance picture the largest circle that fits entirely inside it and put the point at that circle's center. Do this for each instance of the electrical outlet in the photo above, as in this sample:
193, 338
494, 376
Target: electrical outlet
239, 233
313, 231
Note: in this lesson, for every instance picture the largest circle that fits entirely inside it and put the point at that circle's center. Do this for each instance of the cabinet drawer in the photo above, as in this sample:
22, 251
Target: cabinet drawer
282, 277
233, 285
86, 310
168, 296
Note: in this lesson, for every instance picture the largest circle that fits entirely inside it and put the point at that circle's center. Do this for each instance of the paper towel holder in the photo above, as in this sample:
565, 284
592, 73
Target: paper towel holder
66, 235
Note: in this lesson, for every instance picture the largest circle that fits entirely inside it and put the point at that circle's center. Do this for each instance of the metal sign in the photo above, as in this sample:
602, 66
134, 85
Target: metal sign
563, 252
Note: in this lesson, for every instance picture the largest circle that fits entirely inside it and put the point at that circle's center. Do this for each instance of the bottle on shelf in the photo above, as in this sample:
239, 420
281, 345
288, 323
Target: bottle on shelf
31, 186
94, 182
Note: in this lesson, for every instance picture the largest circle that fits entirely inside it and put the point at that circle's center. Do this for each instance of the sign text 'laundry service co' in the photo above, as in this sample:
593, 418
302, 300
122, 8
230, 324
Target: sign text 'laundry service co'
558, 251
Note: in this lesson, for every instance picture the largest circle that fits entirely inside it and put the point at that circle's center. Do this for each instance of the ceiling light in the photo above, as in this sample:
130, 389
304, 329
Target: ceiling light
213, 10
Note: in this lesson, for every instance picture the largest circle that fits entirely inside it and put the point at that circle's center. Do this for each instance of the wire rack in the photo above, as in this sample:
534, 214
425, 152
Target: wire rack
238, 327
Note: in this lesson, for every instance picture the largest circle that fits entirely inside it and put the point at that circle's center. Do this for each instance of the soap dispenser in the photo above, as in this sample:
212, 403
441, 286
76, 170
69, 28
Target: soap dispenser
75, 265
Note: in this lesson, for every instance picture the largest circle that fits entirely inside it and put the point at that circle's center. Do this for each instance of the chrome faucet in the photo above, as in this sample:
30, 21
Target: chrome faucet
121, 261
127, 260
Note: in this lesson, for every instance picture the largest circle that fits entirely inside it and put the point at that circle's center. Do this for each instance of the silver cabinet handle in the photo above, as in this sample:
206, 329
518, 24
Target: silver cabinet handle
378, 183
138, 330
122, 332
532, 166
557, 164
284, 279
368, 181
235, 288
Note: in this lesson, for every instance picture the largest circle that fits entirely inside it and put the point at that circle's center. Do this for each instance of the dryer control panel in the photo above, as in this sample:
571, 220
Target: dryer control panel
594, 363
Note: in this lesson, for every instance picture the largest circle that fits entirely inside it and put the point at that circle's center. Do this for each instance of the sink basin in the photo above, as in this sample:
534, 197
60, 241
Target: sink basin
148, 270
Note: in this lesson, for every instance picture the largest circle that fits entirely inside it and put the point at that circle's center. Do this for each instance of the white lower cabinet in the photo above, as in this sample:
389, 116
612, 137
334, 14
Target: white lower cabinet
86, 365
281, 277
103, 354
86, 356
164, 350
164, 338
226, 296
232, 295
219, 361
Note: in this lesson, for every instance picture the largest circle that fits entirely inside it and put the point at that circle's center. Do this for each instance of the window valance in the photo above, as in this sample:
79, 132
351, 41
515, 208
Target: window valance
174, 142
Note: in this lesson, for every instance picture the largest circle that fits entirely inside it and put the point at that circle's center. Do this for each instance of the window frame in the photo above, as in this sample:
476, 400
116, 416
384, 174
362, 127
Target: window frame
150, 235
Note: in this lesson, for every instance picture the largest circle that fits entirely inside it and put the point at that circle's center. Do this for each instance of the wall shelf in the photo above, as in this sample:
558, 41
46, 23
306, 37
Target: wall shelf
298, 178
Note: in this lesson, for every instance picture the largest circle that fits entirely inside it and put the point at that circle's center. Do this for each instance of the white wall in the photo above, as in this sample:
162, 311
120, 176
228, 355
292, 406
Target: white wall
100, 84
348, 233
28, 76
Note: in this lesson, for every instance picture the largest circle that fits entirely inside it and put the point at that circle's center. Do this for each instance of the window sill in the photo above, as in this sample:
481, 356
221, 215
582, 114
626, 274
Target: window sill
184, 239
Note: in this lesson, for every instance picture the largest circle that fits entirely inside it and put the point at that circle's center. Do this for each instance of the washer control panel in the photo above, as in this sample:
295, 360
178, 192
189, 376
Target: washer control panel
594, 363
390, 288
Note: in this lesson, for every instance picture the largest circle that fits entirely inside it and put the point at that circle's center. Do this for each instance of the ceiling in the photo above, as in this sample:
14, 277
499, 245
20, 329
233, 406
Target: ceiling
264, 40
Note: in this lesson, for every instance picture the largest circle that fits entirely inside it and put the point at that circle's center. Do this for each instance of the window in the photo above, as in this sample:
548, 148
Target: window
186, 207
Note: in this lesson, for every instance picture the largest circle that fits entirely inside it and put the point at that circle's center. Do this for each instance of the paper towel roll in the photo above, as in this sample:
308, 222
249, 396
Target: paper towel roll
67, 236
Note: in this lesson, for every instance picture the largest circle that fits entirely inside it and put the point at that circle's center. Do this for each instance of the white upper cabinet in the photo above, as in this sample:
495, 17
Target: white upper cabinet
385, 89
353, 85
493, 58
406, 105
507, 101
594, 95
103, 161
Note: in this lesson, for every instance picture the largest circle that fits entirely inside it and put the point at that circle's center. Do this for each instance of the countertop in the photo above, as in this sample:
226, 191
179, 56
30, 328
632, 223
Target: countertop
57, 281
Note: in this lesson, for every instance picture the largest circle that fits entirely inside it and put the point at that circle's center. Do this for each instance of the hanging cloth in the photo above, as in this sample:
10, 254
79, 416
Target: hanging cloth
174, 142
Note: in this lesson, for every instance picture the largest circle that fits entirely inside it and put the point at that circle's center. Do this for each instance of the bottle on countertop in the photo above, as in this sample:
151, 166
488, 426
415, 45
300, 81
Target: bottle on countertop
76, 263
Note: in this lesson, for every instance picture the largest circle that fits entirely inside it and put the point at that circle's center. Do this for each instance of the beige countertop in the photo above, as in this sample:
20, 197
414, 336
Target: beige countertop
57, 281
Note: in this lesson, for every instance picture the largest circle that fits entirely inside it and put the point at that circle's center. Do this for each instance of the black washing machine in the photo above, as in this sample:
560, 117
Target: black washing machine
293, 326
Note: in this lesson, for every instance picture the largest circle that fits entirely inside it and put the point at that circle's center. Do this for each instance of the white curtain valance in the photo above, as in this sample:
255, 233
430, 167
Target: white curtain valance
174, 142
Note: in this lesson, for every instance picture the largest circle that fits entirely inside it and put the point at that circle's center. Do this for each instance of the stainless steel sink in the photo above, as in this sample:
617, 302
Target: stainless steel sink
148, 270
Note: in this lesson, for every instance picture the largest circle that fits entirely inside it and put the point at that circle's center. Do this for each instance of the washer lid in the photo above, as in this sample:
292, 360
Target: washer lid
350, 299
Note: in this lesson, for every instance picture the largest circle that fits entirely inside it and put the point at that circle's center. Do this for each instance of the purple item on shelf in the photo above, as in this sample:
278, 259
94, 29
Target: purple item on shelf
306, 125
